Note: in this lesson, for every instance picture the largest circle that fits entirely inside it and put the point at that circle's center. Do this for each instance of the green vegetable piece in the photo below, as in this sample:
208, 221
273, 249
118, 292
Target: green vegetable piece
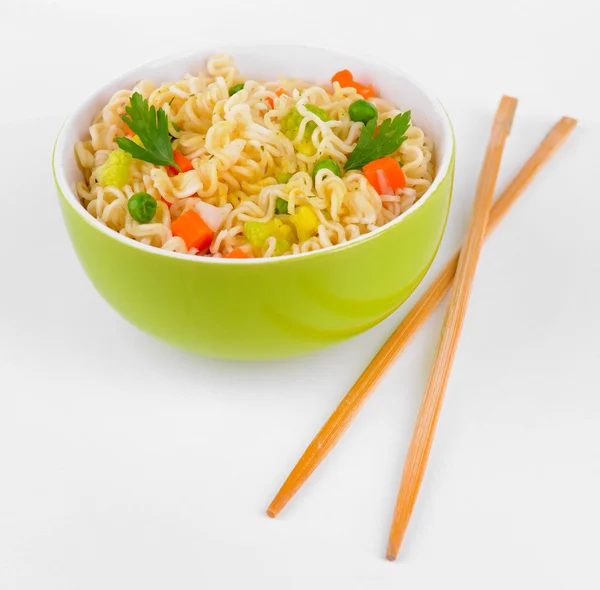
281, 247
142, 207
281, 230
318, 111
362, 111
115, 171
327, 164
283, 178
290, 123
372, 147
257, 232
236, 88
281, 206
152, 127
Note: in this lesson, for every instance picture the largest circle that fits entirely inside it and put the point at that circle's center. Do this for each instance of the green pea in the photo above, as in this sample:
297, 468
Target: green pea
362, 111
235, 89
142, 207
281, 206
328, 165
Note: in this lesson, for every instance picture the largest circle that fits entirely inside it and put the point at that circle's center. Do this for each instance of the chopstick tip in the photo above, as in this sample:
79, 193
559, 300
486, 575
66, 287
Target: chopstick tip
569, 121
271, 513
506, 110
393, 548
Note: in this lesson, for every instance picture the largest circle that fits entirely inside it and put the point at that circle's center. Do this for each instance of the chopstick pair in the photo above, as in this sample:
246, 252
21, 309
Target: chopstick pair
483, 222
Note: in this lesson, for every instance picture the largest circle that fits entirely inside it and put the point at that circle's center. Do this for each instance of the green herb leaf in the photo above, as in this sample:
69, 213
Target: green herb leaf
152, 128
372, 146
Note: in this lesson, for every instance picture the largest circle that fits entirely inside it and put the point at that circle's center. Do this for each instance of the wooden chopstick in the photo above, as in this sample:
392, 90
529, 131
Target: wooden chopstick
420, 446
355, 399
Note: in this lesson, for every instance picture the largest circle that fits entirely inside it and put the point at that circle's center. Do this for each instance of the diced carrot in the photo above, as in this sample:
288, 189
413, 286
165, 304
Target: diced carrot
365, 91
269, 101
184, 164
385, 175
280, 91
128, 131
344, 77
237, 253
190, 227
346, 80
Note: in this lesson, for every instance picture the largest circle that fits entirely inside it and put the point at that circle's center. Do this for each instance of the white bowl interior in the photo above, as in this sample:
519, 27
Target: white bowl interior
262, 62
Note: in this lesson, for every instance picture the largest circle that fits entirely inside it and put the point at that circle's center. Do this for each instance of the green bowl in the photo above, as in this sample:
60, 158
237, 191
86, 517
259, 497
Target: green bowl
263, 308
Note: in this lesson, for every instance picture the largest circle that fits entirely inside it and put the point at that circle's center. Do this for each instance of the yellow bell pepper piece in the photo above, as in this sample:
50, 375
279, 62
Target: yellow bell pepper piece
306, 222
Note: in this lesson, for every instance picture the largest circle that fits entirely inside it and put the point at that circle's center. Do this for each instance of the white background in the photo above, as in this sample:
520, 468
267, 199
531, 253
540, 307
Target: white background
126, 464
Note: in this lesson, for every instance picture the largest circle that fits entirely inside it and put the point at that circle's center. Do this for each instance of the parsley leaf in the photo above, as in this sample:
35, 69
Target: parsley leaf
151, 126
372, 146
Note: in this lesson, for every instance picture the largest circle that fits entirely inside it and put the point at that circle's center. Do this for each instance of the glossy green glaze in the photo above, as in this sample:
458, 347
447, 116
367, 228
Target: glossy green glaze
278, 308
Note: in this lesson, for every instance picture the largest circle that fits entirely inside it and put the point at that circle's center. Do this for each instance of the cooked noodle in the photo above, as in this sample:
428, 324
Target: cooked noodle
238, 150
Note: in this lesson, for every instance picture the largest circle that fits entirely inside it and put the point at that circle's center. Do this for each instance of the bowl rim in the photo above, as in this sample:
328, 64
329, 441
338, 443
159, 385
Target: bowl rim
70, 197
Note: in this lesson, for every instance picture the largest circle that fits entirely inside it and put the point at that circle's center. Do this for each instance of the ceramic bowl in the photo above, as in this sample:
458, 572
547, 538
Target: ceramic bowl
263, 308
